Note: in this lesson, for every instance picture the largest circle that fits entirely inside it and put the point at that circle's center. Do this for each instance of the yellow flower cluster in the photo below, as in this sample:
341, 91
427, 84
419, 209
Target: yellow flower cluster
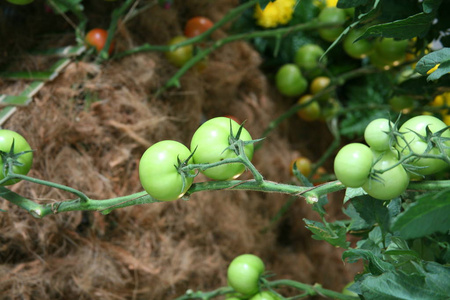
275, 13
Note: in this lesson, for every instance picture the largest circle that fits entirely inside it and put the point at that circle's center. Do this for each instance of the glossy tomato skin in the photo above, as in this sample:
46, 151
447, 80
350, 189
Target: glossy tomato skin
20, 2
419, 124
303, 165
360, 48
290, 81
20, 144
377, 134
97, 38
244, 272
181, 55
265, 295
310, 112
197, 26
307, 57
209, 142
352, 164
158, 172
389, 184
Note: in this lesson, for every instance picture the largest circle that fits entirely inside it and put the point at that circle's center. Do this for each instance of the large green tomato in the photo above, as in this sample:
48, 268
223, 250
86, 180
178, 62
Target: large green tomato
331, 15
265, 295
377, 134
419, 124
244, 273
391, 50
290, 81
158, 170
20, 2
352, 164
23, 162
209, 143
390, 184
307, 57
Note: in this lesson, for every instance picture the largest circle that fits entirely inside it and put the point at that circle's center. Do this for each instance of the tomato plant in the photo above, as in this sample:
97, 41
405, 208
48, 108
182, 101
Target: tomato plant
389, 184
181, 55
332, 15
352, 164
244, 272
159, 173
210, 143
290, 81
197, 26
97, 38
311, 111
415, 139
378, 134
14, 147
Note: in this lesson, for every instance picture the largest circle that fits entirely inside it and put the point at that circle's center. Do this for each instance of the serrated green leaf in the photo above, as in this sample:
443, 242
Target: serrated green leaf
413, 26
428, 215
430, 60
367, 212
351, 193
375, 264
335, 234
432, 284
351, 3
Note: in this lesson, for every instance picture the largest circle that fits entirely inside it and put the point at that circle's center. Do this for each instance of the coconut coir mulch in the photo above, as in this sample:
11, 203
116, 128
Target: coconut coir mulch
89, 128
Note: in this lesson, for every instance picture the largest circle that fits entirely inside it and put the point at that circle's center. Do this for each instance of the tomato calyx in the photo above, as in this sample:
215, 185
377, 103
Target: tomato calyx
11, 159
184, 170
236, 144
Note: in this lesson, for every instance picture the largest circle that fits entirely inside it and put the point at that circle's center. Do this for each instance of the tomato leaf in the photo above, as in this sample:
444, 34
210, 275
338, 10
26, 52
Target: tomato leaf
334, 233
351, 193
375, 264
431, 5
428, 215
413, 26
351, 3
432, 283
440, 57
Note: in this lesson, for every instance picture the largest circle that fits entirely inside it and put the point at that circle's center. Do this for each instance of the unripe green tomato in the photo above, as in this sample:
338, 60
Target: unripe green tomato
377, 134
331, 15
360, 48
391, 50
244, 272
401, 103
307, 57
265, 295
352, 164
181, 55
390, 184
290, 81
20, 2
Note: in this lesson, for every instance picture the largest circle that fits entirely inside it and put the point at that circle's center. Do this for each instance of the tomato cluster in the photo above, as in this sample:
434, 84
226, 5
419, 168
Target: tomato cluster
161, 166
194, 27
384, 167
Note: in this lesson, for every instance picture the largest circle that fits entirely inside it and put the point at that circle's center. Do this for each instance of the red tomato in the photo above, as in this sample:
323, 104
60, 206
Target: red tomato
97, 38
197, 26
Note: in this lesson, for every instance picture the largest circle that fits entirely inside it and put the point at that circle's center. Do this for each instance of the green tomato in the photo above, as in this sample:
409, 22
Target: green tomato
20, 2
391, 50
330, 15
209, 143
307, 57
23, 161
290, 81
390, 184
400, 103
158, 170
418, 125
181, 55
358, 49
265, 295
352, 164
244, 273
377, 135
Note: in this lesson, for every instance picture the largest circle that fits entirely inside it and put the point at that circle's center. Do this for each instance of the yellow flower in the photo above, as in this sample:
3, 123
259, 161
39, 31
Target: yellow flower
275, 13
332, 3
